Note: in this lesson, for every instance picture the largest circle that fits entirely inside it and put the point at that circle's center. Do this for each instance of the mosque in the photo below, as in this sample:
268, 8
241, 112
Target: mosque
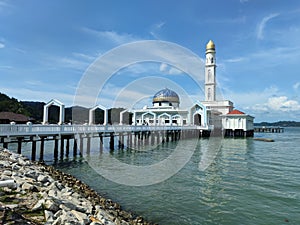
208, 114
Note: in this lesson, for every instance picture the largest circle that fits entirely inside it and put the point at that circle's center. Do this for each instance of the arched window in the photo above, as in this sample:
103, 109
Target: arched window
209, 93
209, 75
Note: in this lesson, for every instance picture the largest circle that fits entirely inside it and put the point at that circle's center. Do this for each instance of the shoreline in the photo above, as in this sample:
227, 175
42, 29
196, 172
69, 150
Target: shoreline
44, 195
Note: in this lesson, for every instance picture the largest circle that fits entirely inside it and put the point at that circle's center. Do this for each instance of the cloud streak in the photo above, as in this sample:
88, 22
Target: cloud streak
113, 36
262, 25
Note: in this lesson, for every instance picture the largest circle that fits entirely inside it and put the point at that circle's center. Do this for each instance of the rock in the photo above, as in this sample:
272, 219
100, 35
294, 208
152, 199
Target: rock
38, 205
19, 160
64, 201
58, 214
52, 193
80, 216
96, 223
58, 221
51, 205
42, 178
65, 205
48, 215
27, 186
16, 167
7, 173
100, 213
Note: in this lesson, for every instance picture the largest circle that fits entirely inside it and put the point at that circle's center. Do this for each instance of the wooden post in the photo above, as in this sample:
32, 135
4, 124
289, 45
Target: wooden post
68, 147
129, 140
88, 145
134, 139
20, 145
101, 142
62, 146
42, 149
81, 145
75, 147
55, 147
33, 149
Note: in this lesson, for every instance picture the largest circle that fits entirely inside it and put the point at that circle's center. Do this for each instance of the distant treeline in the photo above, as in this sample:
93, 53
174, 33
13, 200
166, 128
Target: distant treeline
279, 124
35, 110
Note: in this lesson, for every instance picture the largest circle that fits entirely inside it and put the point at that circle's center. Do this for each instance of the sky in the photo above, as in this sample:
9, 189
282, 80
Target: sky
47, 47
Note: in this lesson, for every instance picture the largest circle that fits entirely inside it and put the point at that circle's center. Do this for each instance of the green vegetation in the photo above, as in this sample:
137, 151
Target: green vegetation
279, 124
8, 104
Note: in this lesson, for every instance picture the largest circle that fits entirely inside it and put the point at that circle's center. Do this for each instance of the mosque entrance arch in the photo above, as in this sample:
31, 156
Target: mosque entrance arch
61, 111
148, 118
164, 119
197, 119
92, 114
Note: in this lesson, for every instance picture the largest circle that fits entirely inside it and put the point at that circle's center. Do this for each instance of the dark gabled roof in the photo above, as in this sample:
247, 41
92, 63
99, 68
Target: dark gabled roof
13, 117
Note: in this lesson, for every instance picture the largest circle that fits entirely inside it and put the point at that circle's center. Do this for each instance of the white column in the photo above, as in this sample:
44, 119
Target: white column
61, 115
105, 116
45, 116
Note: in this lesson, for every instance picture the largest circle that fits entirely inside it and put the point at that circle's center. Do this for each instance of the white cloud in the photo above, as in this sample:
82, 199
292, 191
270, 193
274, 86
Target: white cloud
163, 67
2, 45
278, 104
112, 36
5, 67
4, 6
296, 86
84, 56
235, 60
261, 26
155, 29
169, 70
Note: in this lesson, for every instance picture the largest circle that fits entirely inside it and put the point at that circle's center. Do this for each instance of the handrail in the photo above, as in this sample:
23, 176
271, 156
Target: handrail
36, 129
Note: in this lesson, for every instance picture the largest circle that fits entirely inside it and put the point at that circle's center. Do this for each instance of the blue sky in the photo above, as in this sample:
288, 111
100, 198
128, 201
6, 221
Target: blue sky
46, 47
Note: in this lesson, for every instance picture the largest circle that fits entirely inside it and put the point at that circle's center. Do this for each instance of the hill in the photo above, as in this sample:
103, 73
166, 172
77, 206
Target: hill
8, 104
279, 124
35, 110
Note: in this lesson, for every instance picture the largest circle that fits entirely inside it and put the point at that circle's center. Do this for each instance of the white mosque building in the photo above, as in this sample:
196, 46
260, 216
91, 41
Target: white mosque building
165, 109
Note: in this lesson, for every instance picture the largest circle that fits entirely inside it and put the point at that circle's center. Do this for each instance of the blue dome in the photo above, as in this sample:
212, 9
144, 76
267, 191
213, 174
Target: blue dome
166, 95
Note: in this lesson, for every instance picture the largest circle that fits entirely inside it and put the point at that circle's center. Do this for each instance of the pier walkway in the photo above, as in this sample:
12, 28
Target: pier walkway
118, 135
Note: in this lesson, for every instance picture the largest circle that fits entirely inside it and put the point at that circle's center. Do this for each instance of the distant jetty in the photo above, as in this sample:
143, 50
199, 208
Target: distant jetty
264, 129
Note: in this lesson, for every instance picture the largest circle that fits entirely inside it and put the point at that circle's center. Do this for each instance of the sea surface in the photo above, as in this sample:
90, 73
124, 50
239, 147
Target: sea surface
247, 182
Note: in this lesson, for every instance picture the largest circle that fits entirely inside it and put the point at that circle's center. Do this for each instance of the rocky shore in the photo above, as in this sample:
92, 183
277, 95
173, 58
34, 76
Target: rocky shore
34, 193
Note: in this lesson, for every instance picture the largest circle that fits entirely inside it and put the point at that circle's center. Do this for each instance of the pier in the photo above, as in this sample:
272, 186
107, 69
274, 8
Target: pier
268, 129
119, 137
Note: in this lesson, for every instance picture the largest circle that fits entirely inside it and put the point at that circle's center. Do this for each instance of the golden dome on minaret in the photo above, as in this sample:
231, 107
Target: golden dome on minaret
210, 45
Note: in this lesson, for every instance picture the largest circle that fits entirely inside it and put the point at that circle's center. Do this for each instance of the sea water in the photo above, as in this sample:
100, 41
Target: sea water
247, 182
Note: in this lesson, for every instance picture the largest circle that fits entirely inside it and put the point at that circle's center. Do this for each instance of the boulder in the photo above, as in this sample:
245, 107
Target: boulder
82, 217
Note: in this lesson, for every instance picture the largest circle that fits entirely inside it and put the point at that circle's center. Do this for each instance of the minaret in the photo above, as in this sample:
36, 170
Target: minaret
210, 72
